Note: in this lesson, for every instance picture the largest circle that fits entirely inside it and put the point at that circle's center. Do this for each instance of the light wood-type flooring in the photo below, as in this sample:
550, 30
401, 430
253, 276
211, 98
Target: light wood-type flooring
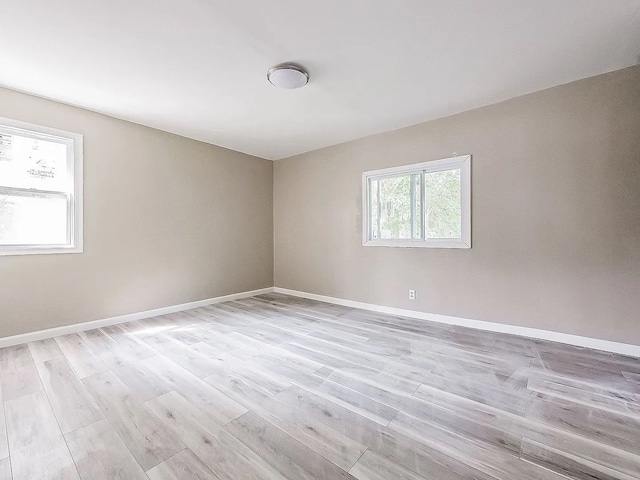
277, 387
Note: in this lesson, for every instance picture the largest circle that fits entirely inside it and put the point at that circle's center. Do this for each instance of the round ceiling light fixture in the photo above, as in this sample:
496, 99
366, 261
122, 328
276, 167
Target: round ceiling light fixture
288, 75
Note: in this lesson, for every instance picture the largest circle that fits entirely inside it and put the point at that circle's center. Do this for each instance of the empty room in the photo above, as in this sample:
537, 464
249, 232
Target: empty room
357, 239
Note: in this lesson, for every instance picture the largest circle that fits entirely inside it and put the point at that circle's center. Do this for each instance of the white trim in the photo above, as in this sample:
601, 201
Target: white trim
463, 162
130, 317
588, 342
597, 344
428, 166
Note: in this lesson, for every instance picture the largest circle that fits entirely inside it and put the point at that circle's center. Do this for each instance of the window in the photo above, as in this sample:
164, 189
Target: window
422, 205
40, 189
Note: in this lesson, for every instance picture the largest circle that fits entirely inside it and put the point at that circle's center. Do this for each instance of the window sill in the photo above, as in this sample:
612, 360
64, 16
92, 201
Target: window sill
7, 251
445, 243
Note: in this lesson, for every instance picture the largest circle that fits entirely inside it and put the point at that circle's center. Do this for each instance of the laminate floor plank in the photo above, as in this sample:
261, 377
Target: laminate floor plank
291, 326
117, 357
341, 351
585, 358
72, 404
248, 342
147, 438
100, 454
267, 333
185, 335
345, 334
506, 380
211, 401
18, 374
43, 350
274, 387
81, 358
587, 398
347, 421
406, 370
583, 387
606, 427
355, 401
547, 435
393, 446
286, 454
503, 465
567, 450
567, 464
186, 356
246, 386
372, 466
98, 341
320, 437
440, 351
128, 342
290, 371
222, 452
631, 376
230, 317
37, 446
5, 469
425, 460
468, 387
593, 375
334, 361
184, 465
472, 427
4, 441
225, 343
142, 382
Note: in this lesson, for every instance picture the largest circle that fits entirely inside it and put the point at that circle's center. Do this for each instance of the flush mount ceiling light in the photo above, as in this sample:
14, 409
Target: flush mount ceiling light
288, 75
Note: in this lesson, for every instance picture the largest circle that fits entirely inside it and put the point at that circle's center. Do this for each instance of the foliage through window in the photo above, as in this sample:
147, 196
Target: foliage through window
40, 189
422, 205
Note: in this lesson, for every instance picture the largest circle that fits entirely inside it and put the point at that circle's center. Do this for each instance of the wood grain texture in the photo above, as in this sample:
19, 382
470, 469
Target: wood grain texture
150, 442
142, 382
81, 358
372, 466
4, 441
286, 454
100, 454
44, 350
211, 401
5, 469
18, 374
224, 454
184, 465
72, 404
276, 387
38, 448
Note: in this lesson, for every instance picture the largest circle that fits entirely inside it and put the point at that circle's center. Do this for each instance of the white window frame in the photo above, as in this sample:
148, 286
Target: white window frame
74, 143
463, 162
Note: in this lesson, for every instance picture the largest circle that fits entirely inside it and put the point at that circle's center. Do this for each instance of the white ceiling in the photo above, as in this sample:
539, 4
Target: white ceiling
197, 67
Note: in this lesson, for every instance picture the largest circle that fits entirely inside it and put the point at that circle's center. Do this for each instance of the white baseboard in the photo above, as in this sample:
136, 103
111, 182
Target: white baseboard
597, 344
130, 317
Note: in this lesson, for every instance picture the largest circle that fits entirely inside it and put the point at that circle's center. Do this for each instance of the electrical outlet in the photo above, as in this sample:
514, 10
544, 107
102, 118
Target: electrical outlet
412, 294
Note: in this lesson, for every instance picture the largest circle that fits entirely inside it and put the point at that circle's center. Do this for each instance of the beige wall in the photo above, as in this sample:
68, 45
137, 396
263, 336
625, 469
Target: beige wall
167, 220
556, 214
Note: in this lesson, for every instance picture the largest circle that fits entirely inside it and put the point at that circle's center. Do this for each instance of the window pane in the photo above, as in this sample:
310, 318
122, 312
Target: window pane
373, 209
443, 214
417, 201
33, 220
396, 220
33, 163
